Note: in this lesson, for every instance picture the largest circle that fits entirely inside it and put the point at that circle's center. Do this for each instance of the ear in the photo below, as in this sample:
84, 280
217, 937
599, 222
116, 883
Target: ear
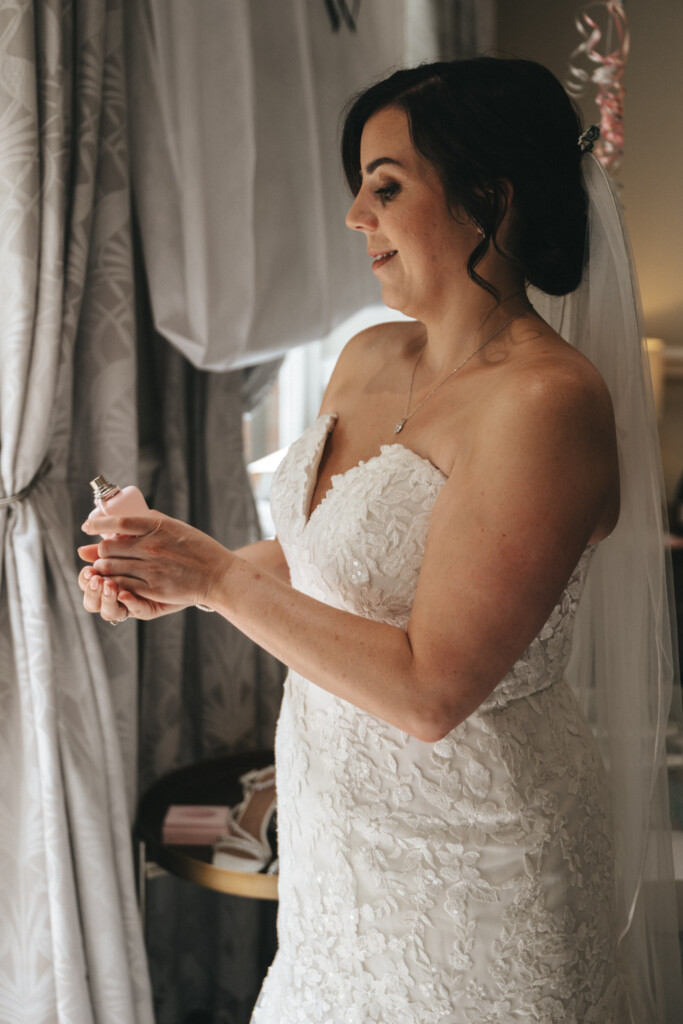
507, 214
509, 193
503, 193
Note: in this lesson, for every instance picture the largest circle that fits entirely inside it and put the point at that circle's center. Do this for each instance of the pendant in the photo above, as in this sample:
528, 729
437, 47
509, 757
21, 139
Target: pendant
399, 427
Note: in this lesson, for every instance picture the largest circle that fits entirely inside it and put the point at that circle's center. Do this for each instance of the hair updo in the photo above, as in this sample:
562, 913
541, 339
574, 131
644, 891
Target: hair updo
483, 123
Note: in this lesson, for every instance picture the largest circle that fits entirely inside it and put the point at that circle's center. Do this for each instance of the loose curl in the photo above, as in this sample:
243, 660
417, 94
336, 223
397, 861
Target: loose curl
487, 124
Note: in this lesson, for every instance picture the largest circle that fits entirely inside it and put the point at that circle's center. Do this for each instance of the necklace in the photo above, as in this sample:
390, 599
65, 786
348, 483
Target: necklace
406, 415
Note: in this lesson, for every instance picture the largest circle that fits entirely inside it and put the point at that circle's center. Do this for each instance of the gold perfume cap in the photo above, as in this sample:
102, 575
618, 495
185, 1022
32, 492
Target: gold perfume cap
102, 488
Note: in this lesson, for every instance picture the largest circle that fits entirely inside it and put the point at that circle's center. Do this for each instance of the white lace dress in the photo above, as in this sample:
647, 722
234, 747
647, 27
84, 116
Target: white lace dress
468, 880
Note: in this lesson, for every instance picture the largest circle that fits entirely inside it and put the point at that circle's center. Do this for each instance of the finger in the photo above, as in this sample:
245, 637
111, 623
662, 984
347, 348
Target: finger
136, 606
88, 552
130, 526
129, 586
130, 569
111, 608
92, 592
84, 577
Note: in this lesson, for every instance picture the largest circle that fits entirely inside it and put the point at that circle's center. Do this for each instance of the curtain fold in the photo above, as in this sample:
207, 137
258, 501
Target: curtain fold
206, 689
236, 169
70, 943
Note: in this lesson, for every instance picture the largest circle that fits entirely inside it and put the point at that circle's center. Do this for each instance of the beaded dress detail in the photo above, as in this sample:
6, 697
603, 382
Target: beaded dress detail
467, 881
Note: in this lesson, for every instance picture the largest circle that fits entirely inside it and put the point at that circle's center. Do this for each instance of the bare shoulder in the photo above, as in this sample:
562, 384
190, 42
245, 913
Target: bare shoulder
549, 384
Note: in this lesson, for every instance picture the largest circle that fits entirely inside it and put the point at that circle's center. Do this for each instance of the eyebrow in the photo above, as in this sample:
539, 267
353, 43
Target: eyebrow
374, 164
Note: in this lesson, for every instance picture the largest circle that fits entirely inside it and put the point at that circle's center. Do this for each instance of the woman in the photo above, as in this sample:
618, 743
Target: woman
445, 849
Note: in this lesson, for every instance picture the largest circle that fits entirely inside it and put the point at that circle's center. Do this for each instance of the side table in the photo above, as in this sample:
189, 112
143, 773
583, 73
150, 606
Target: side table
215, 781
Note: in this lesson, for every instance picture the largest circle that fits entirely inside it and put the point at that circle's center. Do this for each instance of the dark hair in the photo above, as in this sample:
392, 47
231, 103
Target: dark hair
482, 123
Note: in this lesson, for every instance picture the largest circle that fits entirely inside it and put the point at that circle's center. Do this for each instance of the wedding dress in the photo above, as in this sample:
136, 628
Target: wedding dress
460, 882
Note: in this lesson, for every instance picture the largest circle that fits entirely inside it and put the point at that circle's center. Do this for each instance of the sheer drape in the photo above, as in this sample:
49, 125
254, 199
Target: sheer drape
70, 944
237, 173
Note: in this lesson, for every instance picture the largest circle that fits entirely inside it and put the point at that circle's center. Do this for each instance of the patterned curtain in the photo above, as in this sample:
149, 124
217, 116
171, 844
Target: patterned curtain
70, 942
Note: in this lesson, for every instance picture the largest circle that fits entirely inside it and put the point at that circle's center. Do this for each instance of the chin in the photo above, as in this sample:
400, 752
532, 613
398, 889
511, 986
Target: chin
395, 302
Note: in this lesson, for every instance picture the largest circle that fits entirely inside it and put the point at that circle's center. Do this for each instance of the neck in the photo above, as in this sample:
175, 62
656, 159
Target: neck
462, 328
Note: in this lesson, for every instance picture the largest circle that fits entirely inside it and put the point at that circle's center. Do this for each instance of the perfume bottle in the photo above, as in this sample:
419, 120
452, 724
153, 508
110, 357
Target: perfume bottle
111, 500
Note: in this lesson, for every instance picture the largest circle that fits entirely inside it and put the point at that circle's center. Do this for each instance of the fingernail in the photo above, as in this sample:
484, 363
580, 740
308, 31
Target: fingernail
86, 527
87, 573
108, 589
94, 583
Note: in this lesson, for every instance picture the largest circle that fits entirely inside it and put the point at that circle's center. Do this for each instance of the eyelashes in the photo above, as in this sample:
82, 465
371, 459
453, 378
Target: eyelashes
388, 192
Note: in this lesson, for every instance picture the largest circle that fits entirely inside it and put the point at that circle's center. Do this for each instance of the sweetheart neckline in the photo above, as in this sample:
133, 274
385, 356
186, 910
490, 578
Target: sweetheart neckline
332, 418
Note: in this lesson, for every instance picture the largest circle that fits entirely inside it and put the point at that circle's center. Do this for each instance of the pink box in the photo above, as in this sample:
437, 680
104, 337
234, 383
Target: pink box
195, 824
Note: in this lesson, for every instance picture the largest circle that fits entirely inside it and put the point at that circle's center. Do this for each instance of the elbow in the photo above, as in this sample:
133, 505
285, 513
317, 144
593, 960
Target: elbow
433, 720
442, 702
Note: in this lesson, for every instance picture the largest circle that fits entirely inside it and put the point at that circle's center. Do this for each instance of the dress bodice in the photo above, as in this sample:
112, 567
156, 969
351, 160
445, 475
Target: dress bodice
362, 547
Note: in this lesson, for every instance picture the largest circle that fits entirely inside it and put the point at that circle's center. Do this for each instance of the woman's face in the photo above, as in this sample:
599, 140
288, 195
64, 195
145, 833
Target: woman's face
419, 249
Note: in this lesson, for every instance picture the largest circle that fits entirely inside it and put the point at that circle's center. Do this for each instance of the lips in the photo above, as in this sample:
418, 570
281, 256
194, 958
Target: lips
380, 259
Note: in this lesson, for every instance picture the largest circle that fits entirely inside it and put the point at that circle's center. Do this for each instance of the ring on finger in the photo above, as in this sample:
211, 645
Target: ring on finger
115, 622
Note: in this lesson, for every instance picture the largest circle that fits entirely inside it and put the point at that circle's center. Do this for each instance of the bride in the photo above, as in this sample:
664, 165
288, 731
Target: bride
446, 836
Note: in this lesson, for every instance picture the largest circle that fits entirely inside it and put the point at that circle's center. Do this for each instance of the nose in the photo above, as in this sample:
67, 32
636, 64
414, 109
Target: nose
360, 217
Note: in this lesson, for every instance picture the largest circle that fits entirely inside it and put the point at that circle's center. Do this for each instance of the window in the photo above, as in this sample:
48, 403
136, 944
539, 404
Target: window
293, 403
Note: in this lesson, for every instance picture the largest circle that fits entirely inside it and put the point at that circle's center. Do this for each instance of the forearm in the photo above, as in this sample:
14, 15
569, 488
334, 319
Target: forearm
368, 663
374, 665
268, 555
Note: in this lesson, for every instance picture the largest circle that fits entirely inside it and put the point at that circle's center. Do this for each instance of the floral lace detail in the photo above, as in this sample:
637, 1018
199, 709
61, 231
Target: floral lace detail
468, 880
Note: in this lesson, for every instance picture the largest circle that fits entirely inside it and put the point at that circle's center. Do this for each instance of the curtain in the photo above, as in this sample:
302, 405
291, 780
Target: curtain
70, 943
236, 168
205, 690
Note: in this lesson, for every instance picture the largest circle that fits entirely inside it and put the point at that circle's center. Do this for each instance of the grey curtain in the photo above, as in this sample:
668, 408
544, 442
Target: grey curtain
70, 942
205, 690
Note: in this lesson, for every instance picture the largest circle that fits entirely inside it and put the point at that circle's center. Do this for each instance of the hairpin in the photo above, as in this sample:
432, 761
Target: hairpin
588, 138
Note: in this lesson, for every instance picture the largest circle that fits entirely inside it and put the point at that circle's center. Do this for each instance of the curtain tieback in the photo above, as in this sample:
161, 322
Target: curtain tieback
13, 499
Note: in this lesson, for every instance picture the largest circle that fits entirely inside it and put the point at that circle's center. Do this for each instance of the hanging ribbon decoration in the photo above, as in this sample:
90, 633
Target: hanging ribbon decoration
606, 73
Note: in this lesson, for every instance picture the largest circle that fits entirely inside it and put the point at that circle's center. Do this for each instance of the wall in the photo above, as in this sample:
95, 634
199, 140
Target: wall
652, 170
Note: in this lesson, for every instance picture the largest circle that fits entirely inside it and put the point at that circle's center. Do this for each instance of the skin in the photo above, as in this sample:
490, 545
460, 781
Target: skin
524, 433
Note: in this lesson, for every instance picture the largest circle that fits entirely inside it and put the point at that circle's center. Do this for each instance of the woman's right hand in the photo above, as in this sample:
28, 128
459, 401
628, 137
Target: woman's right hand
102, 596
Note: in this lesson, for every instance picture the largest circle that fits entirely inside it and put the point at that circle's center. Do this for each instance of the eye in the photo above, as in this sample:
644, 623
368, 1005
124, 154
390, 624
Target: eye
388, 192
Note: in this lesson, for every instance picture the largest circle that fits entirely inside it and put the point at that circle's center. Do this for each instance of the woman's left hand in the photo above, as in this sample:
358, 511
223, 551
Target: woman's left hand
159, 559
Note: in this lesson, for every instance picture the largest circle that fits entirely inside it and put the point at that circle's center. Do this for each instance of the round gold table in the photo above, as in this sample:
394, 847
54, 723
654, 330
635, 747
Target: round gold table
215, 781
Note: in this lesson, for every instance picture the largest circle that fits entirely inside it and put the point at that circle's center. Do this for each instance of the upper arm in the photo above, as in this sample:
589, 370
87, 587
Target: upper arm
505, 535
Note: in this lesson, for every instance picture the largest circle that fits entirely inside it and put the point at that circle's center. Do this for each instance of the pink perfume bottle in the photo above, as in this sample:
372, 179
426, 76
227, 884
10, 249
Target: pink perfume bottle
111, 500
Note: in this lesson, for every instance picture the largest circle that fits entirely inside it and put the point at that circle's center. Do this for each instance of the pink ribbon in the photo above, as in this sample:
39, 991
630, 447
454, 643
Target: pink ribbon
607, 75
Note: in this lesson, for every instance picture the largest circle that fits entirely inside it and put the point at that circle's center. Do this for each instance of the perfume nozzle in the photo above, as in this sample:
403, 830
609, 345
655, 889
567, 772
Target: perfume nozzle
102, 488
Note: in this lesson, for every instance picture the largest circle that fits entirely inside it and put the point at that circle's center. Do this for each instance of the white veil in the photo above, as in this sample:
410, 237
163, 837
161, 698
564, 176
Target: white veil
623, 668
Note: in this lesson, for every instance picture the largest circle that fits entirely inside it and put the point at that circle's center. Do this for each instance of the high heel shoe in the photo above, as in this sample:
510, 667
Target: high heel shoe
247, 848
